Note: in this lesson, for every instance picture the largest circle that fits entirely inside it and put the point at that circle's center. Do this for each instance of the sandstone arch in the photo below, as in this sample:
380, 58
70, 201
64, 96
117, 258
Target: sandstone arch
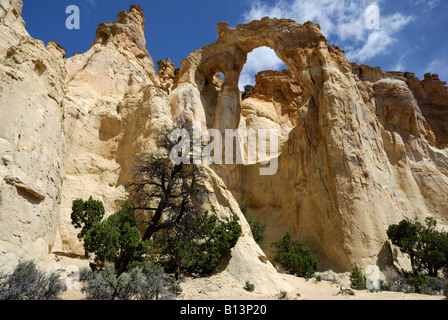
197, 92
306, 53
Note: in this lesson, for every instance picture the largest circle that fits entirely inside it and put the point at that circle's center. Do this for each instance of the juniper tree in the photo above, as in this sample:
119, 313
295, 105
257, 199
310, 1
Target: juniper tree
168, 197
427, 247
164, 192
85, 214
203, 248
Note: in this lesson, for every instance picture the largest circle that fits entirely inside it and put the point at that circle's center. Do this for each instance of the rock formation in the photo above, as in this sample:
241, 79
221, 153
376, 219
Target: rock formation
359, 148
31, 139
364, 150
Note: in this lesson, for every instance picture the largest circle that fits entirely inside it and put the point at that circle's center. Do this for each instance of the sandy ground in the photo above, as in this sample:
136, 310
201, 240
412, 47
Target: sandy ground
223, 287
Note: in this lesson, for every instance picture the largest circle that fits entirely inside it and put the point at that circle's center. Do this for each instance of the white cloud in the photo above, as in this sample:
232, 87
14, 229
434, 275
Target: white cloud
429, 4
342, 22
259, 59
379, 40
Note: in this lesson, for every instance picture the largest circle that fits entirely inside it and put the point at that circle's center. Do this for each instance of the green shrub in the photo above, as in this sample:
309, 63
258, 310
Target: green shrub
283, 295
247, 90
294, 257
416, 281
257, 227
435, 286
357, 279
85, 214
249, 286
202, 250
117, 240
143, 283
27, 282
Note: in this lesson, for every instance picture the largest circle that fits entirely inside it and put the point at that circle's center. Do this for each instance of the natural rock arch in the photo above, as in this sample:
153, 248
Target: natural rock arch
199, 97
326, 201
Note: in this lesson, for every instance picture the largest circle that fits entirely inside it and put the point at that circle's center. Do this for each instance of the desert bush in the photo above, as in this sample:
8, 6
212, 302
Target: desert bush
257, 227
202, 245
445, 288
248, 88
283, 295
143, 283
416, 281
27, 282
394, 281
117, 240
249, 286
294, 257
357, 279
435, 286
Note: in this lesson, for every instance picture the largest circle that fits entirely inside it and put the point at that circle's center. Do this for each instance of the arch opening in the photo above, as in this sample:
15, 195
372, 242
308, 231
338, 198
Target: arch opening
259, 59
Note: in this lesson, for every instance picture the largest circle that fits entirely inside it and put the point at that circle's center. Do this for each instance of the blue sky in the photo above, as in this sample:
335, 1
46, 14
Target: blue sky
412, 35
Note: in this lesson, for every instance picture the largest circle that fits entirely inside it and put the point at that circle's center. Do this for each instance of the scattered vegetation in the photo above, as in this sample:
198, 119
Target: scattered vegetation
294, 257
27, 282
257, 227
357, 278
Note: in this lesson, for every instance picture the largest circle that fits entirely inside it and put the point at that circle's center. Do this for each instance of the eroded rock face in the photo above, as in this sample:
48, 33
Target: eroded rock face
112, 96
31, 140
365, 147
168, 74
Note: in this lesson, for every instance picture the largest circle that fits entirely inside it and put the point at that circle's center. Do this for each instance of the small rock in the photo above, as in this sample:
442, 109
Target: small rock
7, 159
